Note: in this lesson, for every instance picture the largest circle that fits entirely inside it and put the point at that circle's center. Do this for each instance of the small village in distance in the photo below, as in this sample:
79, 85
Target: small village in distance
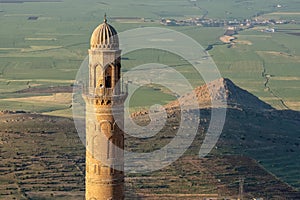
232, 25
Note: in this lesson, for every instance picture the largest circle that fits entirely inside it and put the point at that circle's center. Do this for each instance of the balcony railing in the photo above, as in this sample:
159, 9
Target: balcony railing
107, 92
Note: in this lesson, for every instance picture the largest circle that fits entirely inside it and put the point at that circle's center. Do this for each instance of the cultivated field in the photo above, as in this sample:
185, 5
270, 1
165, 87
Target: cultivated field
43, 43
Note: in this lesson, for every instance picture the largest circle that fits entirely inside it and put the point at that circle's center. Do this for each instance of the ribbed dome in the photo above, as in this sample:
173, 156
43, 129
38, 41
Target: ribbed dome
105, 37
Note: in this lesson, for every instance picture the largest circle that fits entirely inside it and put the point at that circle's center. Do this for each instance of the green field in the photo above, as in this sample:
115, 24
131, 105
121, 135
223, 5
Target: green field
48, 51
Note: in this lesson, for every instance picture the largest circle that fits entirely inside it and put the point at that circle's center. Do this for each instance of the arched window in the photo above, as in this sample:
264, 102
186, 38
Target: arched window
108, 75
110, 149
97, 76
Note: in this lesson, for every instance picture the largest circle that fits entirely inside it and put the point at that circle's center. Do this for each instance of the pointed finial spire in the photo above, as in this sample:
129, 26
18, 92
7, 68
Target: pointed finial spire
105, 20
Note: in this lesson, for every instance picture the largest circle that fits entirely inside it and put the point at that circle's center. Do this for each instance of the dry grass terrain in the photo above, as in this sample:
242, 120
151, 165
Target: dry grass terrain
43, 157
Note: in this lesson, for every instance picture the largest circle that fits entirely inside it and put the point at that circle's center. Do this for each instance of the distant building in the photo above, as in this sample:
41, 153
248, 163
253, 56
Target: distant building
234, 22
269, 30
168, 22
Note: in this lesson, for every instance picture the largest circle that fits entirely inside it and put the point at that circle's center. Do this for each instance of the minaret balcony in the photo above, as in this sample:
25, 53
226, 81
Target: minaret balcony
106, 92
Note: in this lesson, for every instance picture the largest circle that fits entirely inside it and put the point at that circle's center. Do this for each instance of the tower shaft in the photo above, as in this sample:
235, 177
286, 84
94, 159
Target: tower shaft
104, 158
104, 101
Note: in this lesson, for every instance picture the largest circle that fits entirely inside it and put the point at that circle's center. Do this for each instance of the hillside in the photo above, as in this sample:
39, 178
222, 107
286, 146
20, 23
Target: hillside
224, 90
43, 157
252, 128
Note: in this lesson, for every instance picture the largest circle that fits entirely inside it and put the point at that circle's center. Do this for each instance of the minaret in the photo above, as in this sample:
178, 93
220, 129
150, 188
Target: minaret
104, 100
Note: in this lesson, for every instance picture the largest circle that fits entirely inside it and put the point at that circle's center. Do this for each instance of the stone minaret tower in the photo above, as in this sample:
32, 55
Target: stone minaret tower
104, 98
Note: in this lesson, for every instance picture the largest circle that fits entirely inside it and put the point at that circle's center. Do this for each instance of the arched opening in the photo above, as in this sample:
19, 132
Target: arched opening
111, 149
97, 76
108, 77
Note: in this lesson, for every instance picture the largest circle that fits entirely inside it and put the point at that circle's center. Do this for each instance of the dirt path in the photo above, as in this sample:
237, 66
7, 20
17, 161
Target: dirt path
267, 80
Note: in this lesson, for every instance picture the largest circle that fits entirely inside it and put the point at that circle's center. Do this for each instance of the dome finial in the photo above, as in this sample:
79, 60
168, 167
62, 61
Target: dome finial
105, 20
104, 37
